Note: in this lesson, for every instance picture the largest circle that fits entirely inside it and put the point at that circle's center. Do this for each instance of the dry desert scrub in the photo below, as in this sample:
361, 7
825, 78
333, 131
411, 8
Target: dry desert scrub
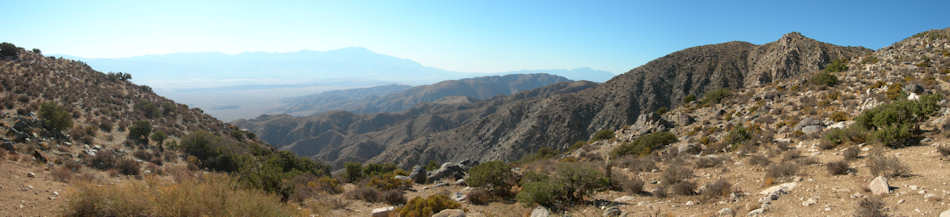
207, 195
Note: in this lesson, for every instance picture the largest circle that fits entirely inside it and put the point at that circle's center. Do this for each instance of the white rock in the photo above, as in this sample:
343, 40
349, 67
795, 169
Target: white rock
690, 203
450, 213
945, 213
540, 211
31, 175
625, 199
914, 187
787, 187
809, 202
727, 212
383, 211
879, 186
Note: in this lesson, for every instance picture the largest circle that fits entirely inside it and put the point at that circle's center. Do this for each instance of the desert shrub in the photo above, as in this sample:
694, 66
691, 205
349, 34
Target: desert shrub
780, 170
148, 109
839, 116
660, 191
374, 169
421, 207
8, 50
759, 160
54, 117
871, 207
823, 79
159, 137
894, 123
493, 175
352, 171
739, 135
791, 155
838, 167
684, 188
208, 195
387, 182
139, 131
717, 189
636, 163
630, 185
480, 196
603, 135
944, 150
364, 193
571, 183
850, 153
61, 174
708, 162
393, 197
689, 98
881, 165
128, 167
542, 153
676, 174
835, 137
716, 96
645, 144
838, 65
103, 160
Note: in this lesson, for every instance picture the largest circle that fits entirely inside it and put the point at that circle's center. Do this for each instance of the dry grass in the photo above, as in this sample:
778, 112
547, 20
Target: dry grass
838, 167
881, 165
208, 195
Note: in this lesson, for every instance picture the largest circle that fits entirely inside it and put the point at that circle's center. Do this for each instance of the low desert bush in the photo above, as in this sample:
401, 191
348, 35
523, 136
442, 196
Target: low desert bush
55, 118
716, 96
603, 135
823, 79
636, 163
719, 188
422, 207
676, 174
850, 153
496, 176
780, 170
630, 185
944, 150
128, 167
708, 162
103, 160
393, 197
871, 207
208, 195
881, 165
838, 167
480, 196
759, 160
62, 174
684, 188
645, 144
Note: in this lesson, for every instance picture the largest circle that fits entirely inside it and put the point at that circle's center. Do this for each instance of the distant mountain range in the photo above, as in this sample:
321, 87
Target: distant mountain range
506, 128
232, 86
395, 98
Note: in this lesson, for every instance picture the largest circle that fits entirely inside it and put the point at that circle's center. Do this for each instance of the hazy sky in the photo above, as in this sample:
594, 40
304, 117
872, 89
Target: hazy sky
470, 36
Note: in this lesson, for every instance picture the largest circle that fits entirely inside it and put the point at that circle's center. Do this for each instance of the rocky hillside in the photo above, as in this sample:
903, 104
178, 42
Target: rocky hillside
508, 129
394, 98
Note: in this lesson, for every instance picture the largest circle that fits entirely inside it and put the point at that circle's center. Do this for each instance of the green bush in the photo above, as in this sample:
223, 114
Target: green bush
8, 50
893, 124
689, 98
716, 96
603, 135
645, 144
542, 153
739, 135
149, 109
424, 207
824, 79
571, 183
352, 171
55, 118
159, 137
836, 136
139, 131
494, 175
838, 65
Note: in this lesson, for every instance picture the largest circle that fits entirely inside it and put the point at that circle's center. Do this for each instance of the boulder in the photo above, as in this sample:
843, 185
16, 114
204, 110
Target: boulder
7, 145
447, 170
879, 186
811, 129
784, 187
383, 211
450, 213
913, 88
459, 196
945, 213
418, 174
401, 177
807, 122
468, 164
540, 211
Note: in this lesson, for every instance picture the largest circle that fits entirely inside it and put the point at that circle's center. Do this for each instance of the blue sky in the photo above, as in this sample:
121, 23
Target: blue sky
469, 36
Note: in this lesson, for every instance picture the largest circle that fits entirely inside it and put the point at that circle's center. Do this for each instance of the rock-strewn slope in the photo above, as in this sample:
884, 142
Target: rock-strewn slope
507, 129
